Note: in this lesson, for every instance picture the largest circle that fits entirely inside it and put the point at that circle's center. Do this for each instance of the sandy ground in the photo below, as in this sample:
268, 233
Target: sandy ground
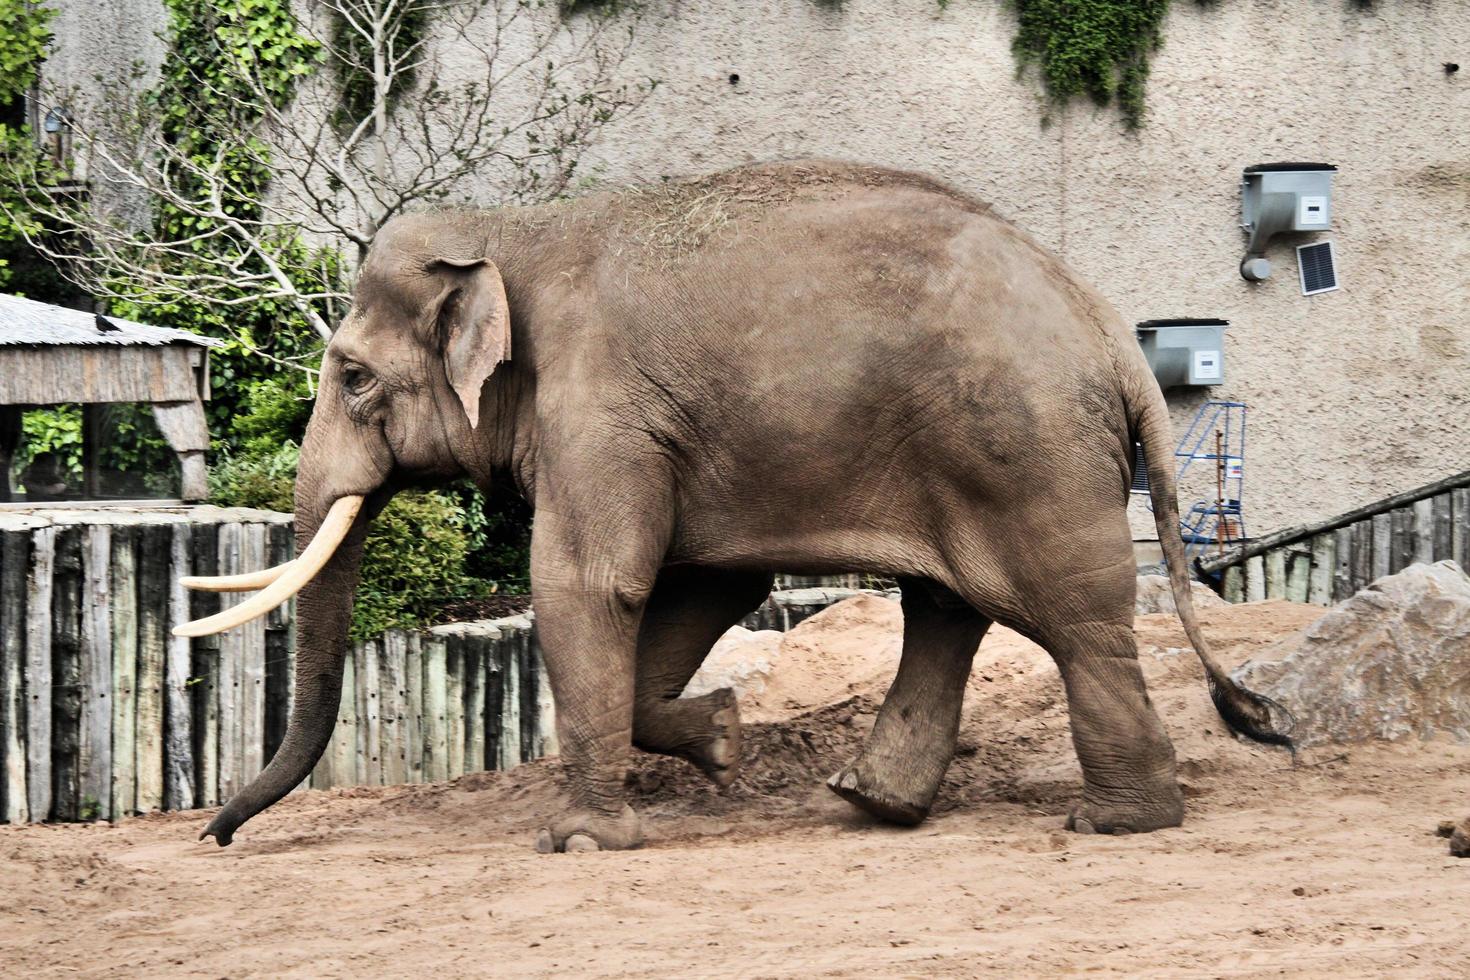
1328, 867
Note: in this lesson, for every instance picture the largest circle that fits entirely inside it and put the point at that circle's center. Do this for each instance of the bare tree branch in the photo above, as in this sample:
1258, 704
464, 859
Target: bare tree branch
412, 103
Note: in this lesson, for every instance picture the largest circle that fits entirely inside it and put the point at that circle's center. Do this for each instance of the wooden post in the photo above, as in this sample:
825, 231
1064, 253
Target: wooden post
546, 742
1255, 579
252, 666
510, 726
178, 714
38, 674
472, 650
1423, 531
454, 702
1442, 513
204, 662
279, 647
184, 428
1365, 533
392, 724
530, 692
15, 554
1324, 564
370, 721
230, 656
1298, 573
95, 755
155, 550
497, 655
436, 711
124, 612
1342, 576
413, 670
1276, 574
66, 673
1460, 529
1401, 531
1233, 586
1382, 546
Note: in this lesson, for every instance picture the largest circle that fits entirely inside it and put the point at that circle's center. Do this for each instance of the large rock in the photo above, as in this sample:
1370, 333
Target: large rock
1391, 662
1155, 596
742, 659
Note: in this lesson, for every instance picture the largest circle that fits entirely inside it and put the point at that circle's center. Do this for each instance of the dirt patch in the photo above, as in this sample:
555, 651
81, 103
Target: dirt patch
1331, 866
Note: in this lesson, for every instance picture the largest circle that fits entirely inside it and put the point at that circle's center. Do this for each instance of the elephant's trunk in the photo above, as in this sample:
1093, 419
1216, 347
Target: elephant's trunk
323, 613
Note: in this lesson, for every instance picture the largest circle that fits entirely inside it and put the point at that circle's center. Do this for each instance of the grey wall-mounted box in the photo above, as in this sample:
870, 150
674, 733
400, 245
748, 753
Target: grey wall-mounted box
1281, 197
1184, 352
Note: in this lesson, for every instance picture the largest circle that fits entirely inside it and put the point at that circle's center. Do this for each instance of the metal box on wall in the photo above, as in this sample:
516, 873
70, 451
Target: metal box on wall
1185, 352
1281, 197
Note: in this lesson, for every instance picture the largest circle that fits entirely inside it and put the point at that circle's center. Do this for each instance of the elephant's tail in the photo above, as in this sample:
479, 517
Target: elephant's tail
1247, 713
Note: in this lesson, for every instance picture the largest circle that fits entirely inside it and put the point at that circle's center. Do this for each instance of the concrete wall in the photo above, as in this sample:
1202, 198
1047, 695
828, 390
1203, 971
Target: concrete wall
1353, 394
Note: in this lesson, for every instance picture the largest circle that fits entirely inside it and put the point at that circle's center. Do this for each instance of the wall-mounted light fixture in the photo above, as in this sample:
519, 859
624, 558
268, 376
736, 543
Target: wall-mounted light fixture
1184, 353
1280, 197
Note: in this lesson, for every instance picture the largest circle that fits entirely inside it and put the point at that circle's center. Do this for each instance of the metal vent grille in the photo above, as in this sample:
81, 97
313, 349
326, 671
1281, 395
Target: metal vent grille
1140, 471
1318, 268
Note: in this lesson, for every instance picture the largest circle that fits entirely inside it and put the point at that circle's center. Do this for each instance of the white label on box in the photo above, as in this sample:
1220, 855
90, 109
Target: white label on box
1207, 365
1313, 211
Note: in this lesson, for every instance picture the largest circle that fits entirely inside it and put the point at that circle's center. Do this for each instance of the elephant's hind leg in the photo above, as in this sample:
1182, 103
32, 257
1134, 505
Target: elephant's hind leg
898, 772
691, 607
1081, 611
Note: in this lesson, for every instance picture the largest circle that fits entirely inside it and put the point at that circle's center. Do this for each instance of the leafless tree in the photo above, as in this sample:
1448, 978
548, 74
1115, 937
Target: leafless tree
410, 102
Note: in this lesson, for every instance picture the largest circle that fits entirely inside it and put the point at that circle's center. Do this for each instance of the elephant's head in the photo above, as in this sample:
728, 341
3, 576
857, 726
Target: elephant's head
398, 404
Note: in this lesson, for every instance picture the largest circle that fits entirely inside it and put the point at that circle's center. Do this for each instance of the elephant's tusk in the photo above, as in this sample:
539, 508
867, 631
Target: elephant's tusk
247, 582
294, 574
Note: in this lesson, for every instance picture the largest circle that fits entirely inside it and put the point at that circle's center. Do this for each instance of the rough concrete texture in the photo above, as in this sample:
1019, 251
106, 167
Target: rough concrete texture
1391, 662
1155, 596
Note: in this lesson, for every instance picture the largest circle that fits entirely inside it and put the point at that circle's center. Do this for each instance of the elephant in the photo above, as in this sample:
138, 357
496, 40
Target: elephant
809, 366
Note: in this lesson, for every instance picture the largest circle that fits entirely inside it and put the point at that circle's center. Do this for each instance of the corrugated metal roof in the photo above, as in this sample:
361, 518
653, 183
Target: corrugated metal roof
27, 323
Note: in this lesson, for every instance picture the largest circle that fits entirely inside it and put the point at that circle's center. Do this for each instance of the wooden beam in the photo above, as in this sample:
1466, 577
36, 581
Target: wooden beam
66, 674
52, 375
1214, 562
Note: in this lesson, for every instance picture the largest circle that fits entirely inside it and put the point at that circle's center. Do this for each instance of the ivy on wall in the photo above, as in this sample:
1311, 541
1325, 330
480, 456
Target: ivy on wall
1099, 48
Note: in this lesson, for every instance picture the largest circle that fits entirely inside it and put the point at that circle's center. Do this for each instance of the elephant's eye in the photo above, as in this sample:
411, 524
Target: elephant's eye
356, 379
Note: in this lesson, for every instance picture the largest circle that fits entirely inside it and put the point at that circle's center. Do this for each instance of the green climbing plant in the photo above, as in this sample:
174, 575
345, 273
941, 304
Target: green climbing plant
1099, 48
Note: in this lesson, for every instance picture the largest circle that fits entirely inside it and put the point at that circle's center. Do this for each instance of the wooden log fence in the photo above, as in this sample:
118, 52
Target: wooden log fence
104, 713
1327, 561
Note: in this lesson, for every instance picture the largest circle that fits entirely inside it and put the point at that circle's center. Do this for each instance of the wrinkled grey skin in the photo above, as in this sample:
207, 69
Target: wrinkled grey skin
809, 366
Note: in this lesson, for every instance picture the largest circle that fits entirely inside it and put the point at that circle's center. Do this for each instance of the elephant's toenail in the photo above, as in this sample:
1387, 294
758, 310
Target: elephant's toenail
544, 842
580, 842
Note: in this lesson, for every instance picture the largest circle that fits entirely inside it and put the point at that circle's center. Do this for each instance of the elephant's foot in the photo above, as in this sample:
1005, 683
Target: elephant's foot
1133, 817
705, 730
586, 830
903, 801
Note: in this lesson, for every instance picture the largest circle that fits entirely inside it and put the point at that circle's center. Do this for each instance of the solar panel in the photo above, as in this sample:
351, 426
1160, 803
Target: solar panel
1318, 268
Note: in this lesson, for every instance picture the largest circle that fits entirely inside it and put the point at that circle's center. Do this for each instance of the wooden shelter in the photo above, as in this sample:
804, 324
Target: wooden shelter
52, 355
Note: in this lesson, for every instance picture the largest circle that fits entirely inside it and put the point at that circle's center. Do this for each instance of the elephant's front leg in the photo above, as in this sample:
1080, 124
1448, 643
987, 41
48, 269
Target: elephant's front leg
591, 576
691, 608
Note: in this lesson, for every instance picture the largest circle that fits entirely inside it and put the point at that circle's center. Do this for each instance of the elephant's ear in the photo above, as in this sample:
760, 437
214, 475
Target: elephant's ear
474, 327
